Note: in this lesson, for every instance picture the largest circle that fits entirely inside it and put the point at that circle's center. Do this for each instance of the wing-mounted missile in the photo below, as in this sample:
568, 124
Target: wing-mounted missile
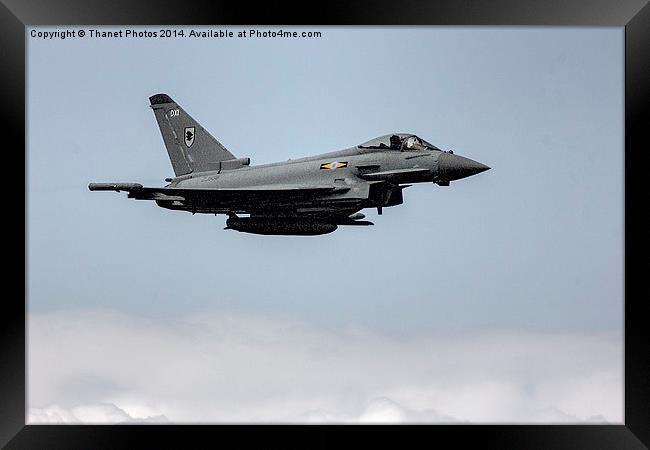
137, 191
117, 187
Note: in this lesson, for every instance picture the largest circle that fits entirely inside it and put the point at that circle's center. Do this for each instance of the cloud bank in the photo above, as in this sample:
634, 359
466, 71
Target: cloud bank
105, 367
93, 413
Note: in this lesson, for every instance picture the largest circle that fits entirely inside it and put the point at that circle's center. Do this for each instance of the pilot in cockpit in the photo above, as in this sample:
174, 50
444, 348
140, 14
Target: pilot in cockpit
395, 142
410, 142
399, 142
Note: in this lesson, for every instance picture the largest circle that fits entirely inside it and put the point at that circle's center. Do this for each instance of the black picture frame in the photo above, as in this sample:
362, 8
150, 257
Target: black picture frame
634, 15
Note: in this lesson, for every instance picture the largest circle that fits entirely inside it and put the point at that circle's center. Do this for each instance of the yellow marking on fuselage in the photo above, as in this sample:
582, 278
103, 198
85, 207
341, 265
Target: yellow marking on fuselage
334, 165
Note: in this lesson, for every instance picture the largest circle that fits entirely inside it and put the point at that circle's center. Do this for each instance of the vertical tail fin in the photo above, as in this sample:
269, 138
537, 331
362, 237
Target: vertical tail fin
191, 148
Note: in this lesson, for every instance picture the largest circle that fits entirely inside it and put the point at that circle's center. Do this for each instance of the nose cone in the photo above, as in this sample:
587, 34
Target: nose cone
454, 167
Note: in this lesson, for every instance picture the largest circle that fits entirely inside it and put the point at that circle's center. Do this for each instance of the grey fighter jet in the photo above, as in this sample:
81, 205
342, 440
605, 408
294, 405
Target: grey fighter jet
306, 196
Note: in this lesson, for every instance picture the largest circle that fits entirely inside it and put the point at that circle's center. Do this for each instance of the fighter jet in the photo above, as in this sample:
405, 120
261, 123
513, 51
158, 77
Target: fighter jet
307, 196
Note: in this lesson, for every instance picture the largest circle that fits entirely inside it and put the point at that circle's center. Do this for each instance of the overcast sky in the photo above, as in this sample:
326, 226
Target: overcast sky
533, 246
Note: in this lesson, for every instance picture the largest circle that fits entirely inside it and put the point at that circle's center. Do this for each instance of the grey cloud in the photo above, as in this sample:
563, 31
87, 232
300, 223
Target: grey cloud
93, 413
225, 367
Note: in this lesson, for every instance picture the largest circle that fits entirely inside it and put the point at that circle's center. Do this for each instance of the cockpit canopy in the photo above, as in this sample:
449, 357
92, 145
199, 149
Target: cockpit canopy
399, 142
